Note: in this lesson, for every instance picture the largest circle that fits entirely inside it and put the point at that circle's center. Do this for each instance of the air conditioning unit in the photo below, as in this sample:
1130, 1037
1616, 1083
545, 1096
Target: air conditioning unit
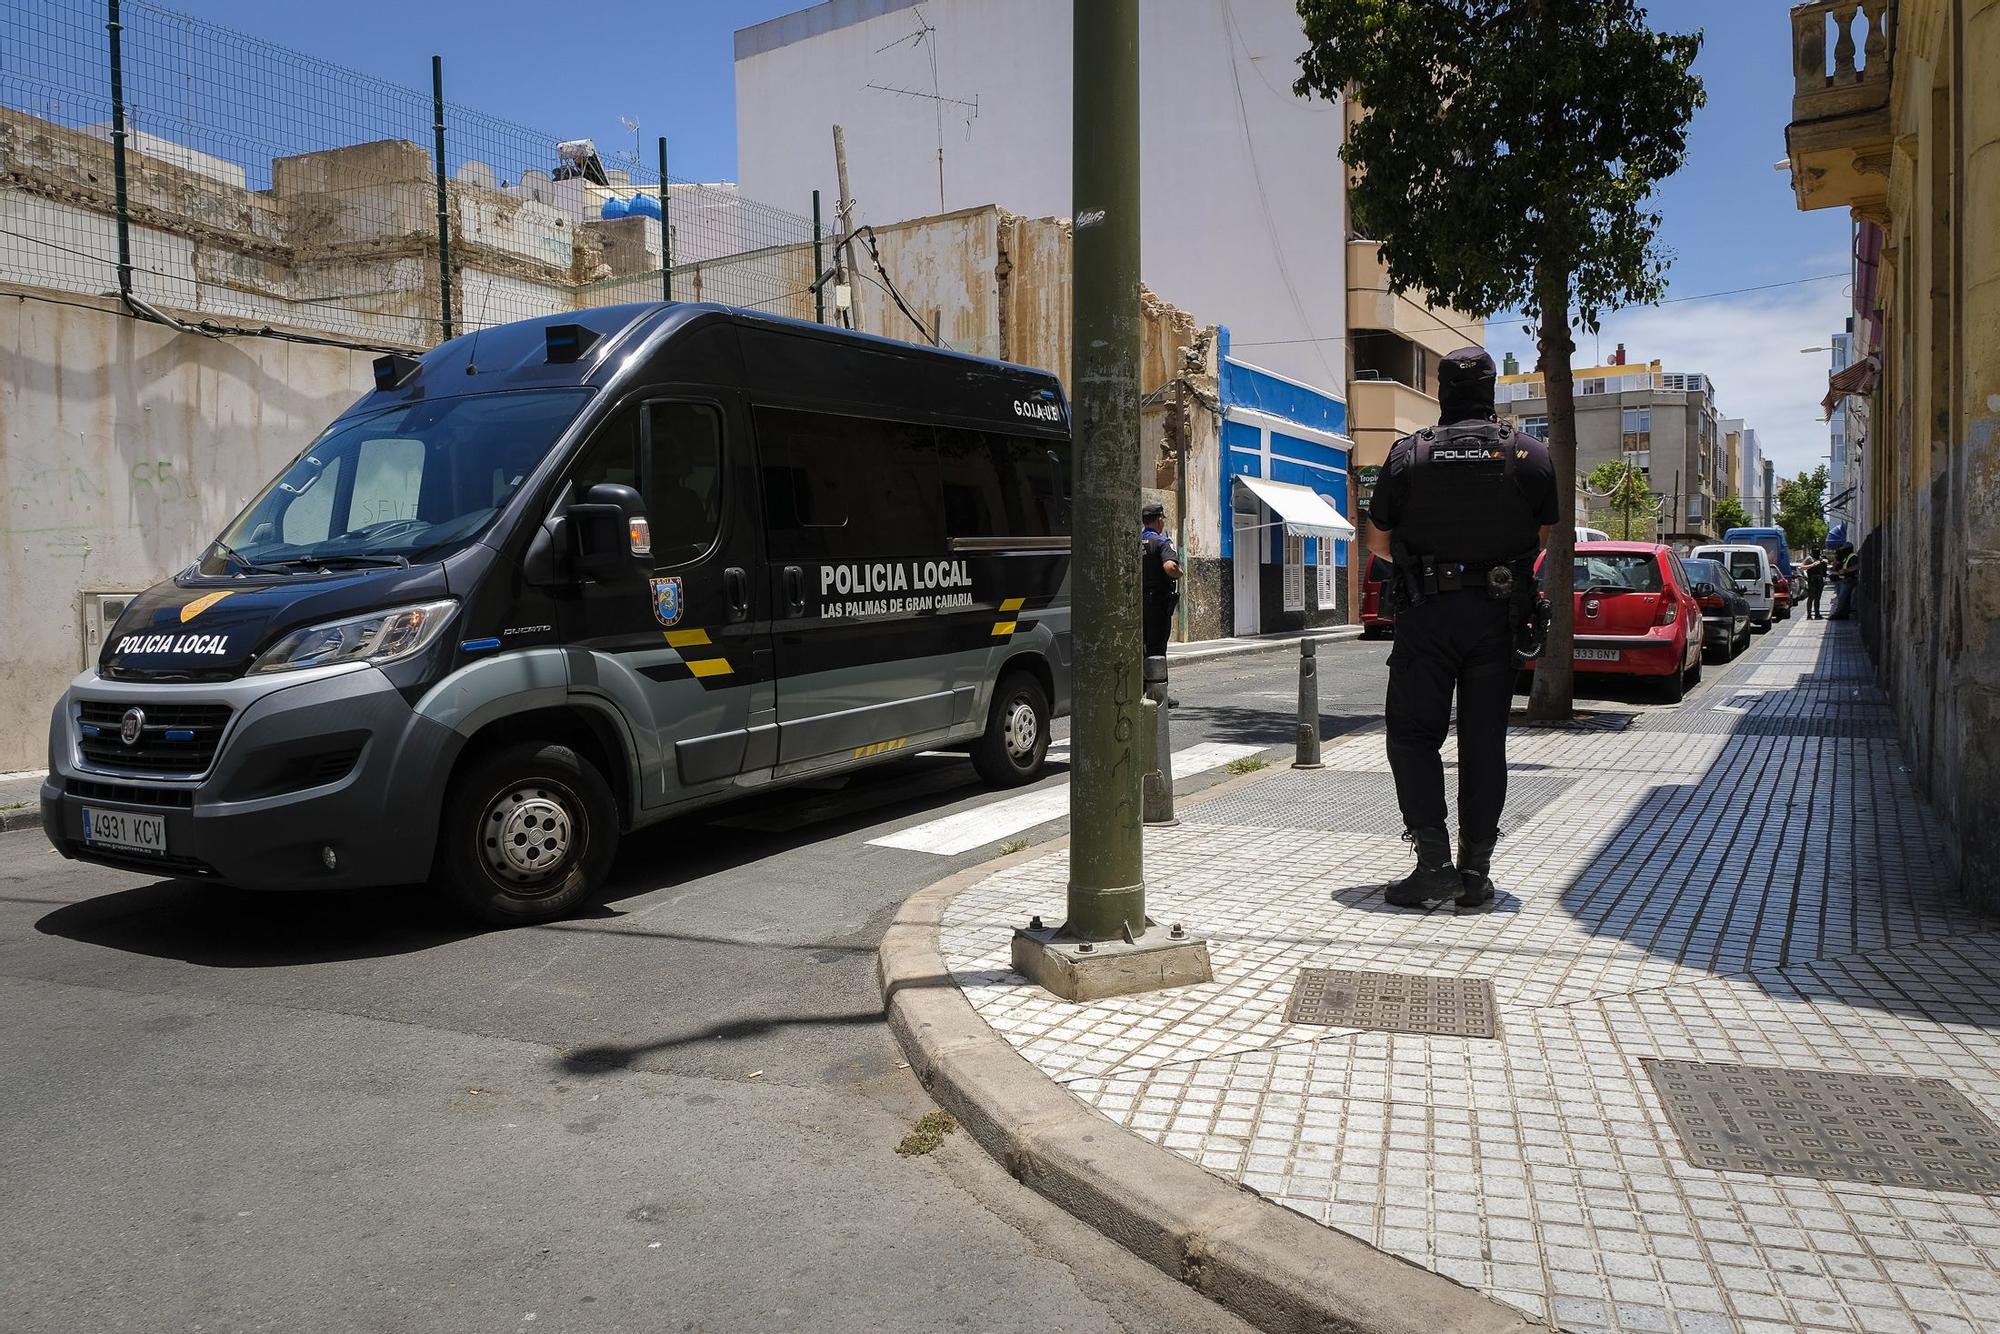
100, 612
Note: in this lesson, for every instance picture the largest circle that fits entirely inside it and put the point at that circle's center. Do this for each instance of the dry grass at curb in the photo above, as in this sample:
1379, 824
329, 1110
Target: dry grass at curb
927, 1134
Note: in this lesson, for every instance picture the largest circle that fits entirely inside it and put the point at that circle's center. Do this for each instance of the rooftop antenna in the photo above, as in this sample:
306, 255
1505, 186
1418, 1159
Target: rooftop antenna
925, 37
633, 126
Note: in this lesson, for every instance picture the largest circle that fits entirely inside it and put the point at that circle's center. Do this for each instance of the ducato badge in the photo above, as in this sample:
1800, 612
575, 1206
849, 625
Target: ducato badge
132, 727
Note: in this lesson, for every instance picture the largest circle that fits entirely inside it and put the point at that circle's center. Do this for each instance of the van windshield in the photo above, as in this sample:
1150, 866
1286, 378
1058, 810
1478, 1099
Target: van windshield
396, 485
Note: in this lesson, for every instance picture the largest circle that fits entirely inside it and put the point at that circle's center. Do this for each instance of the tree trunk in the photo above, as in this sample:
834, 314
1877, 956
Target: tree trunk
1555, 675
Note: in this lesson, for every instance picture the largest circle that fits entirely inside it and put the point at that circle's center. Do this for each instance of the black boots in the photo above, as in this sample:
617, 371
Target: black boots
1434, 878
1468, 884
1475, 862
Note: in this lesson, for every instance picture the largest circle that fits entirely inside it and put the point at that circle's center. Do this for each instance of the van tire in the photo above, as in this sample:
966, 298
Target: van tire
535, 791
998, 754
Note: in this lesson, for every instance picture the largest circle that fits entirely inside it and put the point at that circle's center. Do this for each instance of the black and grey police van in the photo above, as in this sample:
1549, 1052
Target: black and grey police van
564, 578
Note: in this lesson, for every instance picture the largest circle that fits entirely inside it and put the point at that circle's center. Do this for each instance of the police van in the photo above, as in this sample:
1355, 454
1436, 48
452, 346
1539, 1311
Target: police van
557, 580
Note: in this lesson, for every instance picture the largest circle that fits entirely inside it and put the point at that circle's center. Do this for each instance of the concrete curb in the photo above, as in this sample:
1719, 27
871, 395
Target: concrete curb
26, 817
1272, 1267
1338, 634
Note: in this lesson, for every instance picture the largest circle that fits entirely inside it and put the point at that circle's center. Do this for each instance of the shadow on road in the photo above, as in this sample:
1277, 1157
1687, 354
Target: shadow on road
219, 927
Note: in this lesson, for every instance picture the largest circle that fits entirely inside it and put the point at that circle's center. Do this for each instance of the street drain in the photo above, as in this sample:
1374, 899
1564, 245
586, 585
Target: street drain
1884, 1130
1393, 1002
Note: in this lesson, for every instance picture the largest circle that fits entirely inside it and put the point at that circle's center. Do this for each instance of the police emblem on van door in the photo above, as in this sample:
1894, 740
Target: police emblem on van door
667, 604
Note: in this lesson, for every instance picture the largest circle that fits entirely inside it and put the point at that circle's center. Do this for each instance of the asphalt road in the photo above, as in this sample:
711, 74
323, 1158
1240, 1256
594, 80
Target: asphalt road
223, 1111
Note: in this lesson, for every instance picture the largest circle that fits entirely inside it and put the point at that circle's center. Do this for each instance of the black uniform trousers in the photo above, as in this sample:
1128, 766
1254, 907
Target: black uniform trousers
1459, 642
1157, 623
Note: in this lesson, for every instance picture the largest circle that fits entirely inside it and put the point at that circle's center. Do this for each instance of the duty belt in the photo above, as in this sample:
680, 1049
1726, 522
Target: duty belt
1445, 576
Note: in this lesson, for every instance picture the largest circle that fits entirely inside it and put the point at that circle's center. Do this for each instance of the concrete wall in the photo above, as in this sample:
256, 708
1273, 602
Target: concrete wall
125, 447
1245, 208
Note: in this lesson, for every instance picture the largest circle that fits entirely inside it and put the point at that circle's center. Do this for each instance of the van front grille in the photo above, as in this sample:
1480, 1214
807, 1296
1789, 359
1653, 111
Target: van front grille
171, 738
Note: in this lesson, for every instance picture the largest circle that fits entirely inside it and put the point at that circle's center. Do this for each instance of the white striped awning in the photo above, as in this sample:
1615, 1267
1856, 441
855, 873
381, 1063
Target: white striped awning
1302, 510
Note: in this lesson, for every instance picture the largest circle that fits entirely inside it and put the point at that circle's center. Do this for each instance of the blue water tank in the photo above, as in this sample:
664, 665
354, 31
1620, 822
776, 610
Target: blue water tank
615, 207
643, 206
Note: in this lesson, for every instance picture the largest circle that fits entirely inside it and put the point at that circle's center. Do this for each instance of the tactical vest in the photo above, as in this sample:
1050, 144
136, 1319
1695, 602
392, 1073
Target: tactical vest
1466, 502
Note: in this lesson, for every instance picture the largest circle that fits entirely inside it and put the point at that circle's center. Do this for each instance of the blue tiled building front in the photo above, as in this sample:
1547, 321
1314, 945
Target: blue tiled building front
1280, 430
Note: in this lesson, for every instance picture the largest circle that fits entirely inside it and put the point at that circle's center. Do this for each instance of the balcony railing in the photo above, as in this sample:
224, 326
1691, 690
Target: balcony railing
1838, 139
1828, 83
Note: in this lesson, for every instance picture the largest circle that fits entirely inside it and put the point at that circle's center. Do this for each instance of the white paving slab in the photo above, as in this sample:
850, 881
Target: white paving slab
962, 831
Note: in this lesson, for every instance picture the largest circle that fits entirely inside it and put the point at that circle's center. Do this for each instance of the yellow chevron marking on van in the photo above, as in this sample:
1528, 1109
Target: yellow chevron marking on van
879, 747
709, 666
1013, 604
685, 638
1001, 629
202, 604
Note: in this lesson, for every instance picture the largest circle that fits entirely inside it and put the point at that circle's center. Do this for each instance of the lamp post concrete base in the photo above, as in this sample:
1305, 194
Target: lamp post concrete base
1083, 970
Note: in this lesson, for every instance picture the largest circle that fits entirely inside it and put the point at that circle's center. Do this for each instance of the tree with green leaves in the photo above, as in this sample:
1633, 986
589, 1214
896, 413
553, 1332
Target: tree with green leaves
1729, 513
1629, 499
1506, 161
1802, 509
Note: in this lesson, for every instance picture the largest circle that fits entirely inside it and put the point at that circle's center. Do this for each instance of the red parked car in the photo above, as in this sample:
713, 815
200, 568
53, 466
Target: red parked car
1376, 616
1781, 597
1636, 615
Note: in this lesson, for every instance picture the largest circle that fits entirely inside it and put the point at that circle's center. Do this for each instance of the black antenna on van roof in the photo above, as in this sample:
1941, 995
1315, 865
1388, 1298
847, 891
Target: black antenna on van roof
479, 323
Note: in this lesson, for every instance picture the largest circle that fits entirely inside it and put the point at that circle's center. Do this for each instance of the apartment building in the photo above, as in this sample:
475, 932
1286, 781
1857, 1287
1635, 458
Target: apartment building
1664, 423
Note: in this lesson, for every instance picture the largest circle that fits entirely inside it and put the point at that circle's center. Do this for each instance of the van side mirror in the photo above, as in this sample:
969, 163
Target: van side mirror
608, 532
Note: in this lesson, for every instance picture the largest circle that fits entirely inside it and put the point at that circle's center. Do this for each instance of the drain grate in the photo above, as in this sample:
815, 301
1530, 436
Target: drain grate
1393, 1002
1884, 1130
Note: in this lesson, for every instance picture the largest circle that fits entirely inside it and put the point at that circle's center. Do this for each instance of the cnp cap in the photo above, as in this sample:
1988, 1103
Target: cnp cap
1467, 366
1153, 509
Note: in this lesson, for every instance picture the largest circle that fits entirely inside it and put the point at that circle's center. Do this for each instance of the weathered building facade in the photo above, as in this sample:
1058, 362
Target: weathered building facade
1897, 120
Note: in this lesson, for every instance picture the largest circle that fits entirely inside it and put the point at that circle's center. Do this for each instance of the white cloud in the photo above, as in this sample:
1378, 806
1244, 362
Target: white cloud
1748, 345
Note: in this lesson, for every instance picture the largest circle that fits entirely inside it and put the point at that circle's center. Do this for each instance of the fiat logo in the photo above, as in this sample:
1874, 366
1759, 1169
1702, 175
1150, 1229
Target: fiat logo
1589, 609
132, 727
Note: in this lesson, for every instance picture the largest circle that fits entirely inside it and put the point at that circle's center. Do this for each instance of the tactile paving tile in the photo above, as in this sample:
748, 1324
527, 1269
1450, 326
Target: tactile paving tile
1885, 1130
1393, 1002
1348, 802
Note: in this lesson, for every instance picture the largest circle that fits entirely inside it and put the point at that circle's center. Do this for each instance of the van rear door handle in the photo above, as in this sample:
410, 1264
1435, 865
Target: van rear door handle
736, 585
795, 589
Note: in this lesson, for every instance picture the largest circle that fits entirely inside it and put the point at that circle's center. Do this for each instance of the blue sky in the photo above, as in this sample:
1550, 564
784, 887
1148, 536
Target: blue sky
1731, 222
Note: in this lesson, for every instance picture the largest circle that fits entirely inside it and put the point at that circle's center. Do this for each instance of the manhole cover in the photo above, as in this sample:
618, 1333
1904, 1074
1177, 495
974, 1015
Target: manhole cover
1393, 1002
1885, 1130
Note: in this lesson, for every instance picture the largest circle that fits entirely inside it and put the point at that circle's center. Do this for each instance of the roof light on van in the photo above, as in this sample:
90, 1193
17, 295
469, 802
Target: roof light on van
395, 370
568, 342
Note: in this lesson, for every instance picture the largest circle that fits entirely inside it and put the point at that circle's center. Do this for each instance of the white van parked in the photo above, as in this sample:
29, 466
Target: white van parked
1751, 570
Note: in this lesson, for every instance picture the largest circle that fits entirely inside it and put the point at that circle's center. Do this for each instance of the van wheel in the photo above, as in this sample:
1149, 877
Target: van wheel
1016, 741
529, 832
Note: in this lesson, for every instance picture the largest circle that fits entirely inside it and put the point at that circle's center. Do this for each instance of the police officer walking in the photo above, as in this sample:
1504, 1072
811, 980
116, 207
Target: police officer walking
1460, 511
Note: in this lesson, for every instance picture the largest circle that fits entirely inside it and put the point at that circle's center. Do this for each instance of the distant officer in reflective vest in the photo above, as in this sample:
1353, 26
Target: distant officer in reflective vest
1461, 511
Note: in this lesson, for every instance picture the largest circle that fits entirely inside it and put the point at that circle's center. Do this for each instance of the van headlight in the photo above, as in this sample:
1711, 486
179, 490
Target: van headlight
378, 637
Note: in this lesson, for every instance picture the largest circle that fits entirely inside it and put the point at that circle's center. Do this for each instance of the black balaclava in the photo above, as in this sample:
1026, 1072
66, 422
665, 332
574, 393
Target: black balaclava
1465, 385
